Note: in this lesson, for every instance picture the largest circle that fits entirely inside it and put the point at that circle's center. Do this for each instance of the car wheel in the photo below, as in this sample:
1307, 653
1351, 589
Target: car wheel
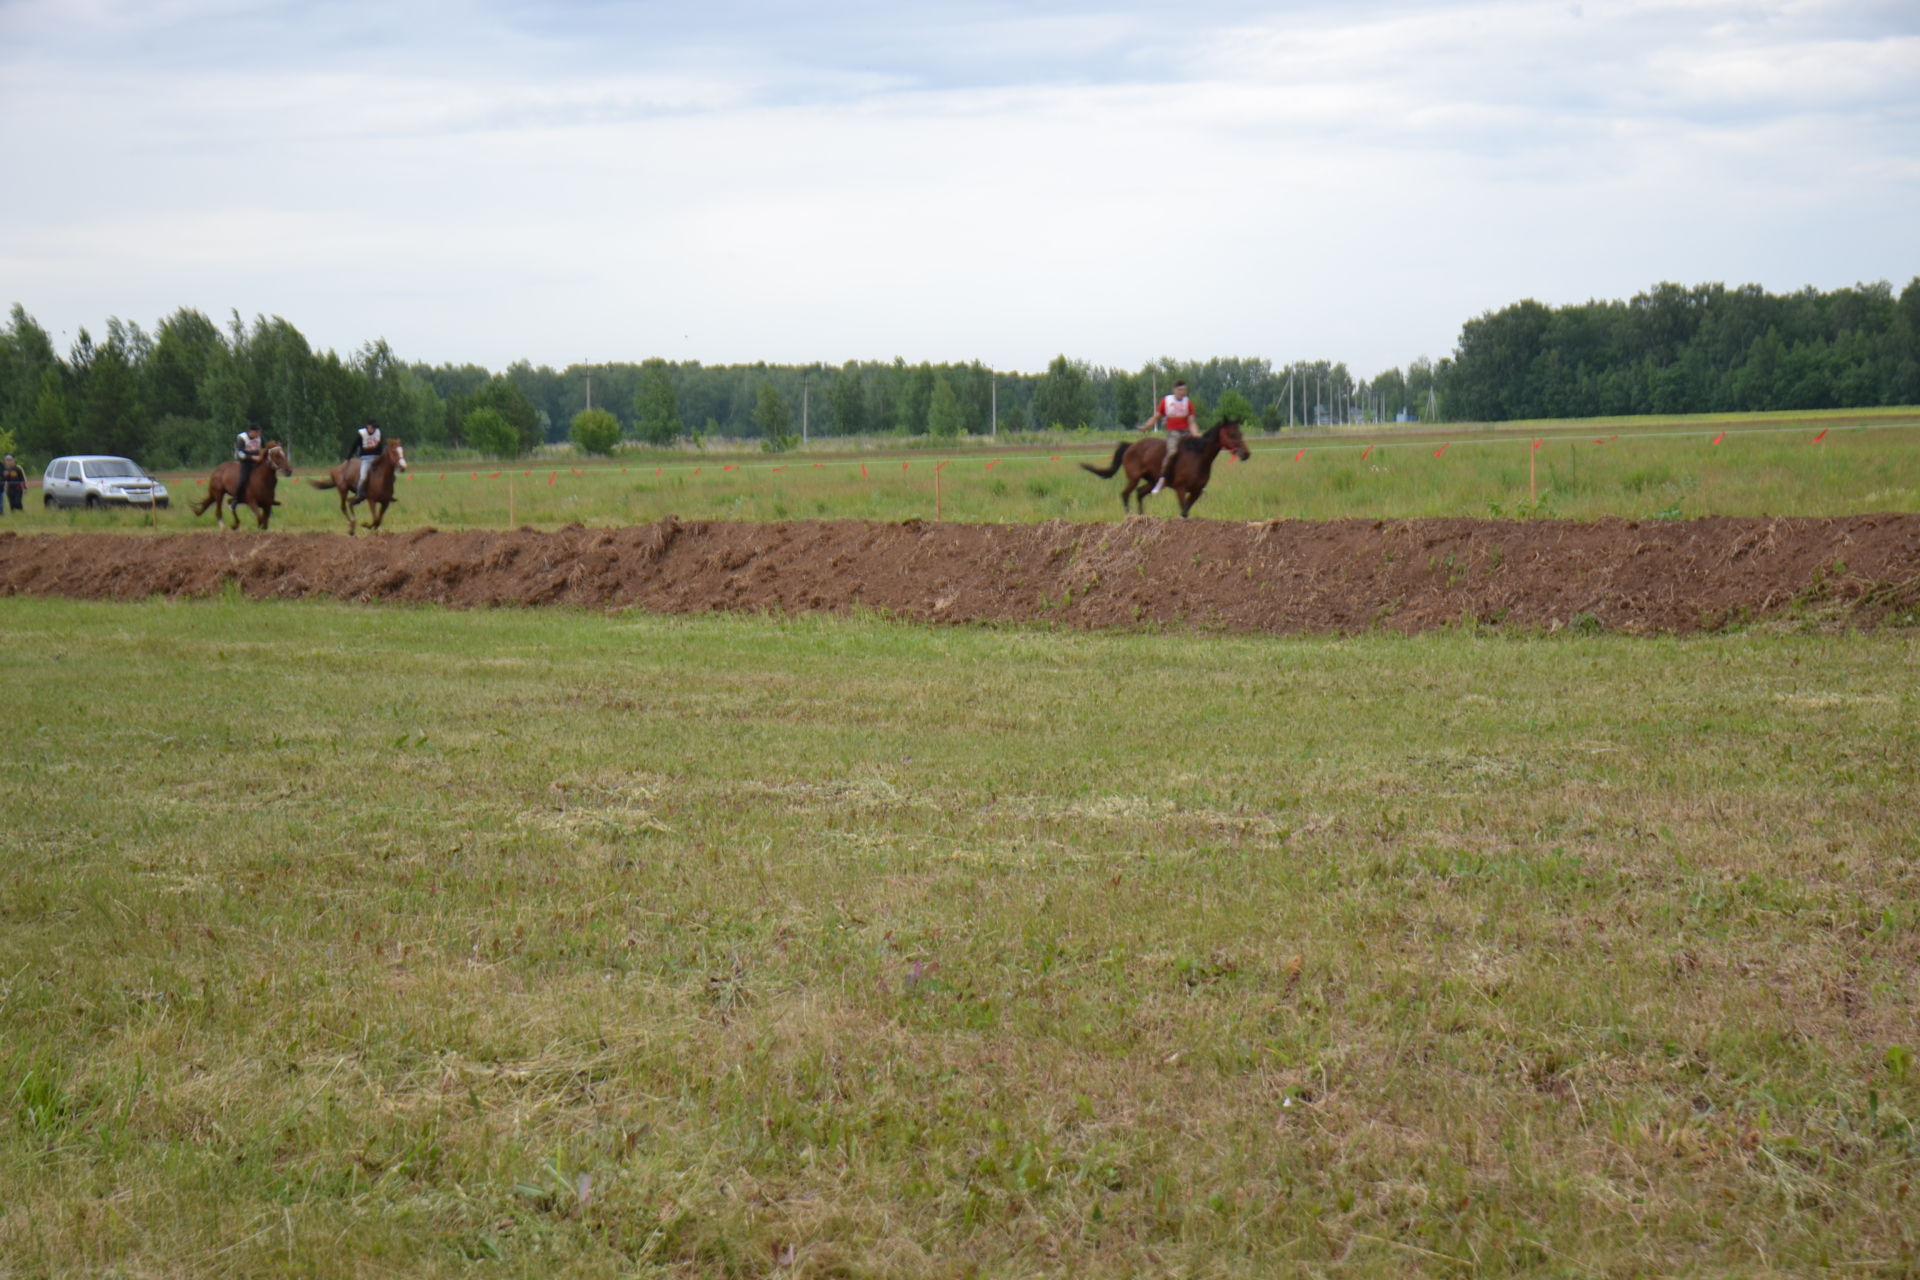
46, 500
162, 504
92, 502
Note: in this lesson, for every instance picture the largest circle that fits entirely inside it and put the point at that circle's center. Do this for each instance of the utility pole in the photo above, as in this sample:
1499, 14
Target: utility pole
993, 409
806, 386
589, 392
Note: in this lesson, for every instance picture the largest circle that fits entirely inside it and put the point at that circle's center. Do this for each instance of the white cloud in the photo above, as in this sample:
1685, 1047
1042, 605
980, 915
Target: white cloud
1002, 184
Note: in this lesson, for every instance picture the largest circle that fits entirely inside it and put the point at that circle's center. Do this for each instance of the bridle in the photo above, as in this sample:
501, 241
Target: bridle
1237, 446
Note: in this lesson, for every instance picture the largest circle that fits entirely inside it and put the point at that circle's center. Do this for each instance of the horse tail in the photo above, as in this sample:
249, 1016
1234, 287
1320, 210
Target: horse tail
323, 484
1119, 452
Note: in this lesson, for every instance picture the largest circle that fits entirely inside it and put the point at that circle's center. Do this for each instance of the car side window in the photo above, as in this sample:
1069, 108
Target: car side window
58, 472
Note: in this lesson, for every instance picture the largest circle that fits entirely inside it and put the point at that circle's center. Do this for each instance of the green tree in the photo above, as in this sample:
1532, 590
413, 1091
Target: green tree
847, 401
488, 430
772, 414
46, 429
500, 395
109, 417
595, 431
27, 361
1233, 405
944, 417
916, 396
186, 352
656, 413
1064, 397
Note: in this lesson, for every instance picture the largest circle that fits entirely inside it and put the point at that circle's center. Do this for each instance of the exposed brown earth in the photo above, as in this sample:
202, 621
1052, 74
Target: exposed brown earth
1285, 576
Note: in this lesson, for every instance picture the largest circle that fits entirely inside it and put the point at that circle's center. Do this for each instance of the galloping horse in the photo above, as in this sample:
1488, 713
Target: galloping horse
346, 479
1191, 468
273, 464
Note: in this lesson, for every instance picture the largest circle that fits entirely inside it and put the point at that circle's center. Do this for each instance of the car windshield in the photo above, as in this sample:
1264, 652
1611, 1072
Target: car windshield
111, 468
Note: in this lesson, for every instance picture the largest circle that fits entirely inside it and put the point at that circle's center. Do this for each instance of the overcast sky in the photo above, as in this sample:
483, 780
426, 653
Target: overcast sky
488, 181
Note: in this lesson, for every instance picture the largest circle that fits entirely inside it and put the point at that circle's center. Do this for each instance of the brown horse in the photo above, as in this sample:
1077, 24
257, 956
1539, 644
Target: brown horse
1191, 469
346, 479
273, 464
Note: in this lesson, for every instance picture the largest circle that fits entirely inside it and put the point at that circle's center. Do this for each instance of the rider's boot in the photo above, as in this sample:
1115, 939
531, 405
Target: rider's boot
1166, 470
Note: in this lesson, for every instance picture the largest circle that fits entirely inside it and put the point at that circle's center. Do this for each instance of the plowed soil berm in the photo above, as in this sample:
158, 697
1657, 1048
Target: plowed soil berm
1333, 577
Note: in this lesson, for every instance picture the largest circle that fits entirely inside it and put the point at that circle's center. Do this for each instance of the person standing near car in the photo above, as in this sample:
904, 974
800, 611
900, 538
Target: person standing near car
247, 450
13, 485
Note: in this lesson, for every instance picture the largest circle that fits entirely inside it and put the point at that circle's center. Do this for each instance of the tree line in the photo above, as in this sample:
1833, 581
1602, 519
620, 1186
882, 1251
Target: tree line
1700, 350
176, 396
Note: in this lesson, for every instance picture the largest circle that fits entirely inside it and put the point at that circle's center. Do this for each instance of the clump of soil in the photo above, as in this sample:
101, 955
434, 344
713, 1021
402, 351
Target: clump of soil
1337, 576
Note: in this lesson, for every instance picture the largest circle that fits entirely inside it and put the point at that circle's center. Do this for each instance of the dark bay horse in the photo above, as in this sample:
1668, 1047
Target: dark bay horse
345, 478
273, 464
1191, 470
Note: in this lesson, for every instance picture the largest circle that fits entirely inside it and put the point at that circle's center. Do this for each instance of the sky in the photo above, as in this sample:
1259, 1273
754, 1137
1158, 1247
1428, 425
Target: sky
484, 181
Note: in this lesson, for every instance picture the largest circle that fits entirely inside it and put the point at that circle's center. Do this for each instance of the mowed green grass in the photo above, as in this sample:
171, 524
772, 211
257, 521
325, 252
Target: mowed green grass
1638, 468
343, 941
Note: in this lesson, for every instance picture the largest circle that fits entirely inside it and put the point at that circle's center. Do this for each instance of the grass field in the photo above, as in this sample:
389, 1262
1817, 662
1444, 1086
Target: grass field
1641, 468
341, 941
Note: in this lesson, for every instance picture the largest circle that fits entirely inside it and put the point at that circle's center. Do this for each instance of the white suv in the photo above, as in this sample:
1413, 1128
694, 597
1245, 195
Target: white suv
95, 480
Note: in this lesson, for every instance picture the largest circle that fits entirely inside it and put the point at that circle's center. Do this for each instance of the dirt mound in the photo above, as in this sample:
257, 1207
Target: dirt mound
1280, 576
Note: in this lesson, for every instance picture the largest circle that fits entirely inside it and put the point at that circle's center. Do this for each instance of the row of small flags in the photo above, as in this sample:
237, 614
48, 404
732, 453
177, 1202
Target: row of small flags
1300, 456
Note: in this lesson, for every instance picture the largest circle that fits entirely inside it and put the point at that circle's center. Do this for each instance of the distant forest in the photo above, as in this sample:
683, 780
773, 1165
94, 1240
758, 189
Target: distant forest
175, 397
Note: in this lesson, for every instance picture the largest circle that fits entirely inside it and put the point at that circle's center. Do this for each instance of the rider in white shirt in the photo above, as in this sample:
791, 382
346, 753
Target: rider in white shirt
1175, 411
370, 448
247, 450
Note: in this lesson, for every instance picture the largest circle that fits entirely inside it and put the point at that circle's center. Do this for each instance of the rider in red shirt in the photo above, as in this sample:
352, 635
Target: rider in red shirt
1175, 412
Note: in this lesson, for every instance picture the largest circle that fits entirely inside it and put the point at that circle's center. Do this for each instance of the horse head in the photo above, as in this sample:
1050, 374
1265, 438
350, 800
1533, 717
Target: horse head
276, 457
1231, 439
396, 455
